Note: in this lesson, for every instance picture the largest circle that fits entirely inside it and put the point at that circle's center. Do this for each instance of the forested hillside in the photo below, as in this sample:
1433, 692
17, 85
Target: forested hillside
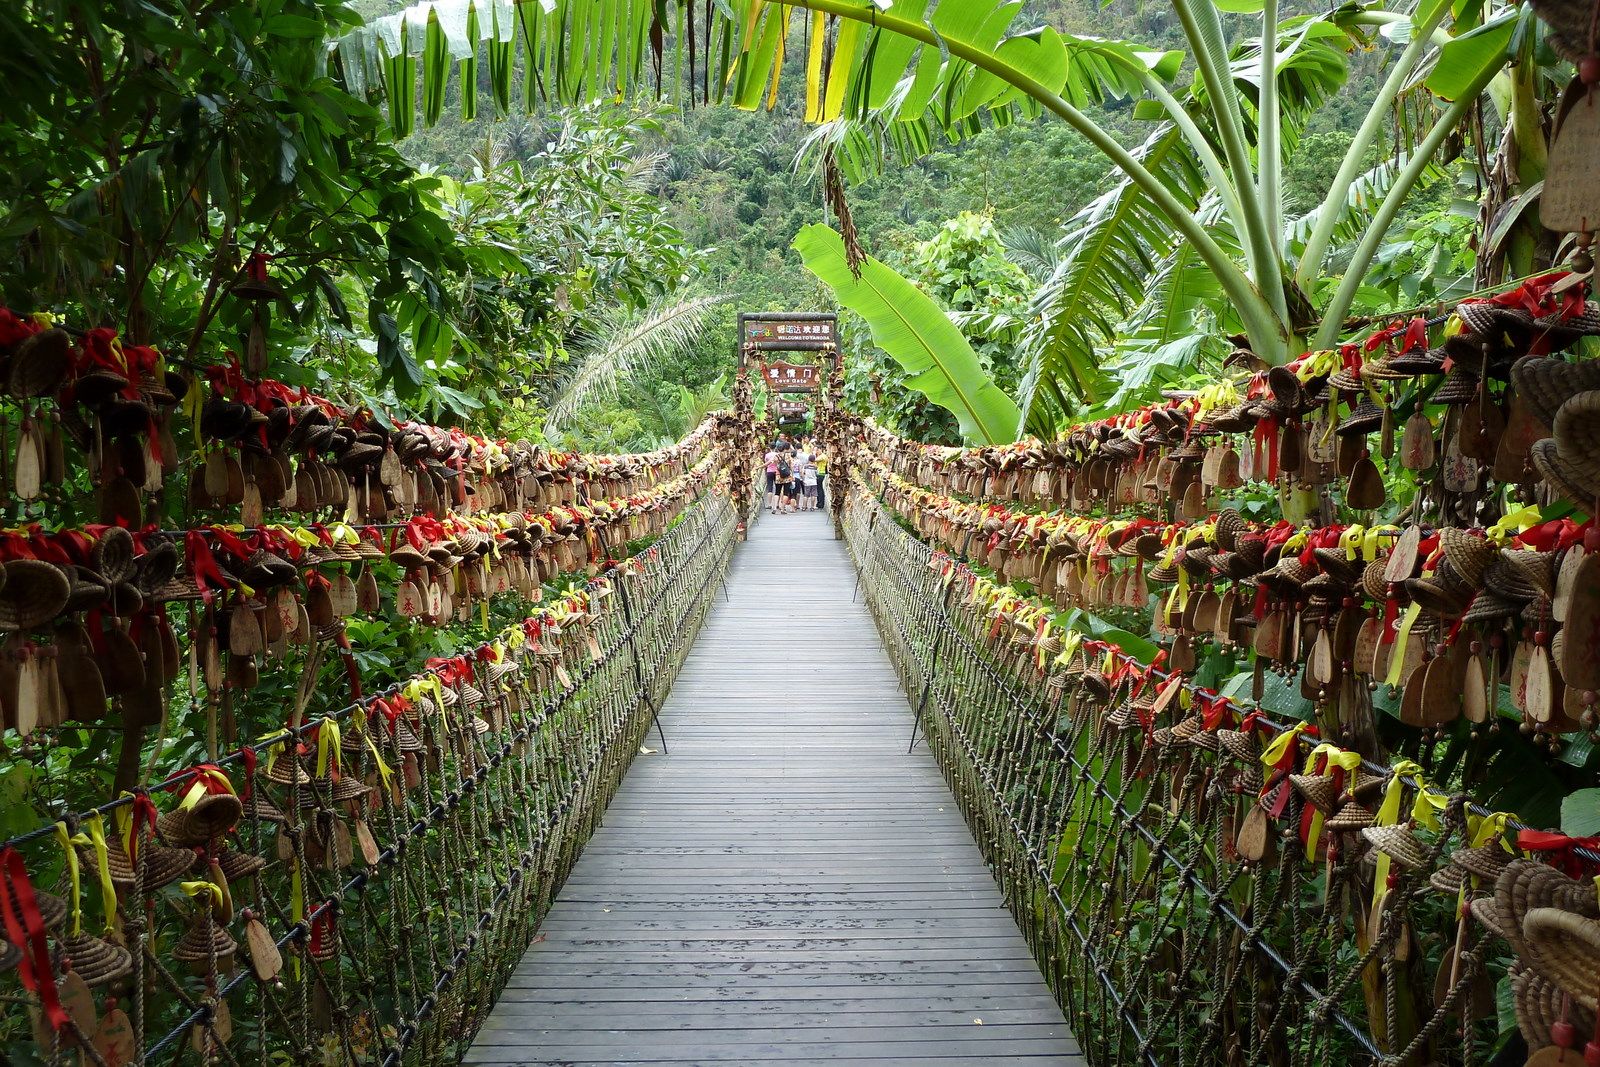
736, 185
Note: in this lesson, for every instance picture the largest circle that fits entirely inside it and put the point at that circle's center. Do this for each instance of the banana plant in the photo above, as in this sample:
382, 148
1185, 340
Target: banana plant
1208, 183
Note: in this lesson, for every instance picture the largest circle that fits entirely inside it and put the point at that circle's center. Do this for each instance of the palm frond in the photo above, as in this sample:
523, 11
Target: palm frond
623, 345
1033, 249
1109, 255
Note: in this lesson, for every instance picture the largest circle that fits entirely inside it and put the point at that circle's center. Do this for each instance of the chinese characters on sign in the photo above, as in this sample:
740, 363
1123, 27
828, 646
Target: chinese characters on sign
789, 377
775, 333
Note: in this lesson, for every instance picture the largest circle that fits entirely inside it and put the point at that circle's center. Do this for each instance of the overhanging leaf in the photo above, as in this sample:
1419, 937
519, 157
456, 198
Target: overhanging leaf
908, 325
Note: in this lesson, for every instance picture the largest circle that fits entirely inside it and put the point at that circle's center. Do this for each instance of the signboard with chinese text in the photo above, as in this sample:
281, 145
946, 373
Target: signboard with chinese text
788, 331
784, 377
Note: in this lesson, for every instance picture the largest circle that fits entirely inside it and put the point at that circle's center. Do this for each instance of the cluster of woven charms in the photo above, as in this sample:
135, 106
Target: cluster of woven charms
1486, 399
319, 500
319, 786
262, 448
1442, 614
1532, 890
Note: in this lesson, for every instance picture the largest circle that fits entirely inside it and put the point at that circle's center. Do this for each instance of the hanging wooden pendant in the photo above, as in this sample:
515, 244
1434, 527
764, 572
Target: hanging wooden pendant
1475, 699
27, 475
1570, 201
1365, 490
1416, 443
114, 1037
1540, 689
1580, 658
1255, 835
343, 595
245, 637
1566, 581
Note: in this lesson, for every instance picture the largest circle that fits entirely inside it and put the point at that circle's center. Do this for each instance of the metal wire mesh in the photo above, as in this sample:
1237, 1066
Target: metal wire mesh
399, 913
1116, 842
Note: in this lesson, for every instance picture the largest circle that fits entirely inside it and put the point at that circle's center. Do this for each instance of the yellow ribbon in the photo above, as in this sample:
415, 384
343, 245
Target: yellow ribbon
1351, 540
1397, 658
211, 889
1280, 744
1426, 808
1388, 815
67, 842
192, 796
271, 742
327, 747
108, 890
1336, 757
359, 719
1370, 544
1315, 364
1514, 522
297, 905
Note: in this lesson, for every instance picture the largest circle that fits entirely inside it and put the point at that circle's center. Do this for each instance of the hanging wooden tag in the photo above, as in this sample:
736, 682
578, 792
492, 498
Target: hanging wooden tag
1291, 447
1365, 489
1227, 611
251, 509
343, 595
1320, 668
245, 637
1458, 472
319, 604
408, 600
1402, 562
1580, 658
27, 476
1366, 646
368, 599
78, 999
266, 961
1521, 660
1566, 579
1441, 696
367, 844
1539, 690
114, 1037
1416, 443
207, 1039
1255, 833
1194, 502
1475, 691
1570, 202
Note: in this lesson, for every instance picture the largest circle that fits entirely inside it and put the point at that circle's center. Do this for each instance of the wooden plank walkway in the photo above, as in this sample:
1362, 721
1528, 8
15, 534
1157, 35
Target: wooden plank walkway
788, 885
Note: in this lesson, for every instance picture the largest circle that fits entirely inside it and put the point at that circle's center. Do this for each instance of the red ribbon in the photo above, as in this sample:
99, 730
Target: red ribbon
25, 929
1561, 850
203, 564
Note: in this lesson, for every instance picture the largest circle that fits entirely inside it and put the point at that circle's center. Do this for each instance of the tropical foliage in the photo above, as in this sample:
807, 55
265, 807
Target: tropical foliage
914, 330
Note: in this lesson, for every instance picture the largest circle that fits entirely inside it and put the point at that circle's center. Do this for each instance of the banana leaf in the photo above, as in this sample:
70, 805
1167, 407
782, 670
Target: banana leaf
907, 324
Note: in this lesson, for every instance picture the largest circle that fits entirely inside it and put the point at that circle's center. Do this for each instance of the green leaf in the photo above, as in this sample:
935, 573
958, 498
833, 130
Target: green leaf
1580, 813
1463, 60
909, 326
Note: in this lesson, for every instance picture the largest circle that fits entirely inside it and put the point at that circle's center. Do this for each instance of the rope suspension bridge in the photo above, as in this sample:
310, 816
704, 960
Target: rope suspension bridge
823, 787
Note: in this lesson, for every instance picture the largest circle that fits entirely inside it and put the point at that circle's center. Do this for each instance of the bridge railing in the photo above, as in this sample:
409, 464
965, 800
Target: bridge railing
393, 859
1163, 883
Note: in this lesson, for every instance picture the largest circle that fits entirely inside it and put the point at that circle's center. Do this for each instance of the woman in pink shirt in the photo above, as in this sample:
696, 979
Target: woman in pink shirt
772, 480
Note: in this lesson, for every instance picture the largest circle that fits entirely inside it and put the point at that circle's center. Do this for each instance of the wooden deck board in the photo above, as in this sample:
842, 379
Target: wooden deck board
787, 885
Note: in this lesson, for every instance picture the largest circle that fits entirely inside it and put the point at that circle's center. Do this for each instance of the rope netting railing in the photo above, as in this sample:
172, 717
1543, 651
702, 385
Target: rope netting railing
360, 889
297, 756
1176, 924
1251, 695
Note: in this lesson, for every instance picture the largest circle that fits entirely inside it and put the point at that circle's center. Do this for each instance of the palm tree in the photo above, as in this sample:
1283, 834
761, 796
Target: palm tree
1201, 199
624, 345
